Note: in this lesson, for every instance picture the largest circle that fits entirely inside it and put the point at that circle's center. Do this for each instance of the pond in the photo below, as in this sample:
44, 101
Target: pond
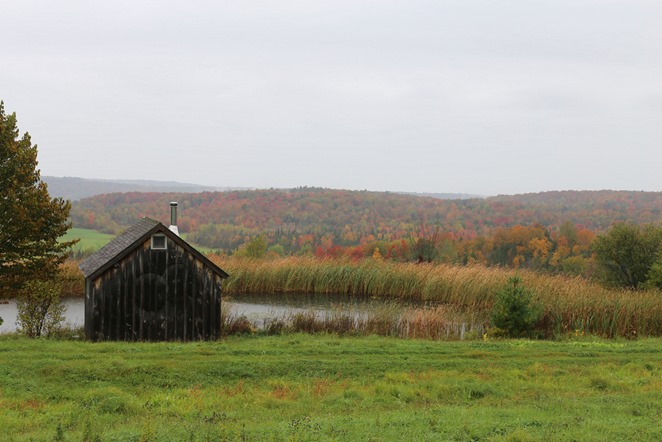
74, 316
258, 309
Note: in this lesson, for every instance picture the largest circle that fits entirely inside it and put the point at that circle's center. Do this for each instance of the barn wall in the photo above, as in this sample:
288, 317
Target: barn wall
154, 295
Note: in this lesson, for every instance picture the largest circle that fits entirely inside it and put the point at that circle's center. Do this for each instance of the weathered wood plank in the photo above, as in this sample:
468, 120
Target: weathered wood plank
153, 295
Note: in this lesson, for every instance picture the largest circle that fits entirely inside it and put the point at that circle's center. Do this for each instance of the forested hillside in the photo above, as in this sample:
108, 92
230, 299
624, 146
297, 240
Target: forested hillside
551, 229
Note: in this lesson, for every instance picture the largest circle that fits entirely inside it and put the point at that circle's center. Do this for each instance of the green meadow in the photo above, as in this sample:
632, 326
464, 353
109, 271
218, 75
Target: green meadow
89, 240
323, 387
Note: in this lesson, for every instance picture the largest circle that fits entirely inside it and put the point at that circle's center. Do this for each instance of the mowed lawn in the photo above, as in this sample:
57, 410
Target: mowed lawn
323, 387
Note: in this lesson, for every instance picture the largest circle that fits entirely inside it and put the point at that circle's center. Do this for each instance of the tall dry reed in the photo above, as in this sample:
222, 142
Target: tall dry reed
73, 282
388, 319
570, 304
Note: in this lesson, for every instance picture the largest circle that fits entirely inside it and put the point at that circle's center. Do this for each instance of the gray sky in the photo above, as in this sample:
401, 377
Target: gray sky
467, 96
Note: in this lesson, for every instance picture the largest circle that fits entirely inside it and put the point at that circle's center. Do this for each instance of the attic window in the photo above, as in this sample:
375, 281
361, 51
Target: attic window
159, 242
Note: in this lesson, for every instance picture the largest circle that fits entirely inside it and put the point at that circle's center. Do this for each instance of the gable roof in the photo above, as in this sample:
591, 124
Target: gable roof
123, 244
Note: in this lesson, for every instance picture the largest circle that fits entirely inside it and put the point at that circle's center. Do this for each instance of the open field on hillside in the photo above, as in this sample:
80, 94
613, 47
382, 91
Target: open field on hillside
90, 240
301, 387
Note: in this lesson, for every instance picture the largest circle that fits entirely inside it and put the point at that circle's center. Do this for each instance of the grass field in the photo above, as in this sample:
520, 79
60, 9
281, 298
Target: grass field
322, 387
90, 240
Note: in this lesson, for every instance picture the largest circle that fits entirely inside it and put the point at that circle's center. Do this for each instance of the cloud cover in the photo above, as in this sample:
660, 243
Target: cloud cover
432, 96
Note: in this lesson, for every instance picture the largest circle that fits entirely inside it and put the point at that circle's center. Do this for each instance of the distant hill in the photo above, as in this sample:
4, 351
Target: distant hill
445, 196
72, 188
343, 217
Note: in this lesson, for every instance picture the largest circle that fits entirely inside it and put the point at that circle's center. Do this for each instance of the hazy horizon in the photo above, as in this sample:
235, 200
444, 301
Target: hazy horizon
174, 184
479, 97
187, 185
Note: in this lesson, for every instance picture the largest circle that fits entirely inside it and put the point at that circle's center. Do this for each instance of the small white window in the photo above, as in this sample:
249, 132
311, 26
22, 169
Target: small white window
159, 242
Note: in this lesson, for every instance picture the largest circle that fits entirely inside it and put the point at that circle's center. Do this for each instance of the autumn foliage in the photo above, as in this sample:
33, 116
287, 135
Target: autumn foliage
552, 231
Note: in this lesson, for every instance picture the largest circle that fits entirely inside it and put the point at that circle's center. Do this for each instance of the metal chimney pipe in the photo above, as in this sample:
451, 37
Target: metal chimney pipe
173, 213
173, 218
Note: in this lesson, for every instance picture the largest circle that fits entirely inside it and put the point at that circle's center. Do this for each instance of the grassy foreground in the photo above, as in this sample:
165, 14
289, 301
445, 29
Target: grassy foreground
323, 387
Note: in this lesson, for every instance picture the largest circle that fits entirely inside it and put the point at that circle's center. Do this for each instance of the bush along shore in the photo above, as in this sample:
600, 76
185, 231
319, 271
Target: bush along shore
460, 298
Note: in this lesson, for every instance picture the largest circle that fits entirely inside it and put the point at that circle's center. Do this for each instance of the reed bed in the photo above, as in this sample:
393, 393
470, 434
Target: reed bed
390, 319
73, 283
571, 305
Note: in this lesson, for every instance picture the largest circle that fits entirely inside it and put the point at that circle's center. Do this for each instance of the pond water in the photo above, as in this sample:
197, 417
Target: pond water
257, 308
74, 316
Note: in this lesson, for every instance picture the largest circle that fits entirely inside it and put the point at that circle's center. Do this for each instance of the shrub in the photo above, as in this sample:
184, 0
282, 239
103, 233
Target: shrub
232, 324
654, 276
306, 322
626, 254
514, 312
40, 310
339, 322
274, 326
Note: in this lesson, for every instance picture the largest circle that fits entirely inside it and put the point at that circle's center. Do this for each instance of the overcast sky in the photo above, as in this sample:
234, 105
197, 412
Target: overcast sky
484, 97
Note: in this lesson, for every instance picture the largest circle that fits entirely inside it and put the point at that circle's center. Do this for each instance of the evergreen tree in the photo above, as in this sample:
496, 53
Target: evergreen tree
515, 313
30, 220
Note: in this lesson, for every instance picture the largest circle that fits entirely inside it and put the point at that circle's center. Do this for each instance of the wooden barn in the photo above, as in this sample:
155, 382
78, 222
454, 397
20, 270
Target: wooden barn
148, 284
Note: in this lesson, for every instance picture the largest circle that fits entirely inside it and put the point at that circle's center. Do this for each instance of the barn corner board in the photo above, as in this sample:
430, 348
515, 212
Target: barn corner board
148, 284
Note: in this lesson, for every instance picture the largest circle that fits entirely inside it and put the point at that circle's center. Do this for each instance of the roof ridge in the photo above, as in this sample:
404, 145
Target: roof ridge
121, 244
117, 245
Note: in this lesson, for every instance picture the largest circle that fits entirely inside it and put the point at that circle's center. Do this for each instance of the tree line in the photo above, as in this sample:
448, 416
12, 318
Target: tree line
352, 217
224, 220
626, 255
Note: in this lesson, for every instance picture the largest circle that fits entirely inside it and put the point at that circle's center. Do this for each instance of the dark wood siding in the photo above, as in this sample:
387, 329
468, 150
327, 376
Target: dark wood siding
154, 295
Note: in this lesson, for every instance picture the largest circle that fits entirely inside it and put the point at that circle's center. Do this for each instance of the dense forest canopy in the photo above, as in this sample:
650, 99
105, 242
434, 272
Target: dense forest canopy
363, 213
536, 230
